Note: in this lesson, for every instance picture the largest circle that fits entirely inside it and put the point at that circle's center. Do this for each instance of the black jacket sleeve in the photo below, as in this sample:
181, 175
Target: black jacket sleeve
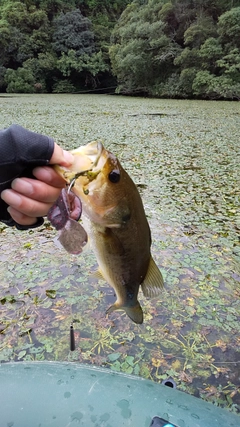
20, 151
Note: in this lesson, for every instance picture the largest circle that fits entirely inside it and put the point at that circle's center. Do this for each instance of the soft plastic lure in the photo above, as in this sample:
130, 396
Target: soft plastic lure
64, 216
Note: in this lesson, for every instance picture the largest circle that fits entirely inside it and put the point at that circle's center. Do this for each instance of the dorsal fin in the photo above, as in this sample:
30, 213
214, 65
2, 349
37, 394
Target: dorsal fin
153, 281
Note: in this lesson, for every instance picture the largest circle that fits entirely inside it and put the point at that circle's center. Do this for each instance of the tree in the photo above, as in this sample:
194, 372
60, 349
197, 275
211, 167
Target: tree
142, 54
210, 51
83, 69
174, 48
199, 31
229, 27
186, 80
19, 81
230, 64
24, 33
208, 86
2, 79
187, 58
44, 69
73, 31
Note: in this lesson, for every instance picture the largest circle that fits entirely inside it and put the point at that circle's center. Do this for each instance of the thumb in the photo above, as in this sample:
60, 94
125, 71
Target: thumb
61, 157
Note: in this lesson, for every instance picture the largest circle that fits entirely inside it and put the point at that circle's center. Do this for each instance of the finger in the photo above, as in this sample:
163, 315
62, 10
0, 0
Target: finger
61, 157
36, 190
21, 218
25, 205
49, 175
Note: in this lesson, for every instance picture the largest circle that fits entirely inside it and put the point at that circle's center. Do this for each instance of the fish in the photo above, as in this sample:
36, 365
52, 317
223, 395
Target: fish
115, 221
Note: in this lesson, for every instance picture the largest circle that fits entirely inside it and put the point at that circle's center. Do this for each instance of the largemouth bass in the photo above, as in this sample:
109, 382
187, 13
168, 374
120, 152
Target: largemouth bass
115, 221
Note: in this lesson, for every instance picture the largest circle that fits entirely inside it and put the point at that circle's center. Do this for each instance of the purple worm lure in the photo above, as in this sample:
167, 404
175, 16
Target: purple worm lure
64, 216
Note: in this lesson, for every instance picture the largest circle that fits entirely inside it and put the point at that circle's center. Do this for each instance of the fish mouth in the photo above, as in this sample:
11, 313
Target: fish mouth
86, 159
90, 152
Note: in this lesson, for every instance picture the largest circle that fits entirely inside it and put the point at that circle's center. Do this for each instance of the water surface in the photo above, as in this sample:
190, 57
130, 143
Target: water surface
184, 157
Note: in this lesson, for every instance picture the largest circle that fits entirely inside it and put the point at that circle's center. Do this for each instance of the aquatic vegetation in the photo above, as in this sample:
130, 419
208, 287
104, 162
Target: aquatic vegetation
183, 157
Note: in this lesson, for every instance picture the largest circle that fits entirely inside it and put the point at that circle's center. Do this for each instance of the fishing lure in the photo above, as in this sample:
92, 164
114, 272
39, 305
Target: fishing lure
64, 216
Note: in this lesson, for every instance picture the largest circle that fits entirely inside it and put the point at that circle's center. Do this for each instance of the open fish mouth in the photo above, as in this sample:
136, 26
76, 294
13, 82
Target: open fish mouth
90, 153
85, 163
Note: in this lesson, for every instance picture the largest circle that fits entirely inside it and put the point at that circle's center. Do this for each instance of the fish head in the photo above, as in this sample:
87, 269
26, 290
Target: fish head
100, 183
85, 159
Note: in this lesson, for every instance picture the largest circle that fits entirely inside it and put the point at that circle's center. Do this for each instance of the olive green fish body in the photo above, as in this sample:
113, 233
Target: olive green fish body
123, 253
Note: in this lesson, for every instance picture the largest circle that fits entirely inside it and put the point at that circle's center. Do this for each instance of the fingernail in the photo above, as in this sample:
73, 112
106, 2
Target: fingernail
68, 157
11, 198
43, 173
22, 186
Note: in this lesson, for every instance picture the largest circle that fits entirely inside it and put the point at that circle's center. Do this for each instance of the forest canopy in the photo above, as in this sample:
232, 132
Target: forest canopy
159, 48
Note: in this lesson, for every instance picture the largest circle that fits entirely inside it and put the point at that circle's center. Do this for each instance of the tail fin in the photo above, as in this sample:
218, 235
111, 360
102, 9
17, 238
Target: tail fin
135, 313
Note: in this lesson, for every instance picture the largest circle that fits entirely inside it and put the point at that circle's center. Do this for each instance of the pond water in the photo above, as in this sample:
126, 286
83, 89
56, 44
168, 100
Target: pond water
184, 157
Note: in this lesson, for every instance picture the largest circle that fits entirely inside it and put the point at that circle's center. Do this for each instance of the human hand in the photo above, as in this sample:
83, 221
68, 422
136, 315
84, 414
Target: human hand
29, 199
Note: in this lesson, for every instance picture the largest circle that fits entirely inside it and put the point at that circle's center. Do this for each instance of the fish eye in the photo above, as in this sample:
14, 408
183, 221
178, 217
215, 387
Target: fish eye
114, 176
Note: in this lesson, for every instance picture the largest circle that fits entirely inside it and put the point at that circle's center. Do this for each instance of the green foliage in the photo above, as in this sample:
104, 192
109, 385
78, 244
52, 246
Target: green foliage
4, 35
54, 7
229, 27
45, 63
24, 32
209, 52
2, 80
72, 62
73, 32
187, 58
149, 46
203, 84
83, 69
141, 54
194, 40
199, 31
19, 81
186, 79
168, 88
43, 68
33, 34
210, 86
230, 64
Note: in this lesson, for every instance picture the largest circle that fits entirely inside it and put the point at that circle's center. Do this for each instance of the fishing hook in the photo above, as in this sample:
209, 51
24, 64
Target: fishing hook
72, 182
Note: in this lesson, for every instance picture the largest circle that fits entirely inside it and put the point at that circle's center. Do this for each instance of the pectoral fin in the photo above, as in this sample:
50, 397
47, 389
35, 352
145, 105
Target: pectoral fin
135, 313
153, 281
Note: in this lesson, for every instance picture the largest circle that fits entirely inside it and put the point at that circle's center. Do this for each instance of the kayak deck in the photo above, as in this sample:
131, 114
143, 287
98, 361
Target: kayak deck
70, 394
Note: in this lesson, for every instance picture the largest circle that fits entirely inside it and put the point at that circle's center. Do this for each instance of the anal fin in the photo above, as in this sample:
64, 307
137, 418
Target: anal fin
153, 281
97, 274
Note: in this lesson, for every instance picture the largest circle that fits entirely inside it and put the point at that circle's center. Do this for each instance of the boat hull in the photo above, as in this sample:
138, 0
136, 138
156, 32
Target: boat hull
70, 394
